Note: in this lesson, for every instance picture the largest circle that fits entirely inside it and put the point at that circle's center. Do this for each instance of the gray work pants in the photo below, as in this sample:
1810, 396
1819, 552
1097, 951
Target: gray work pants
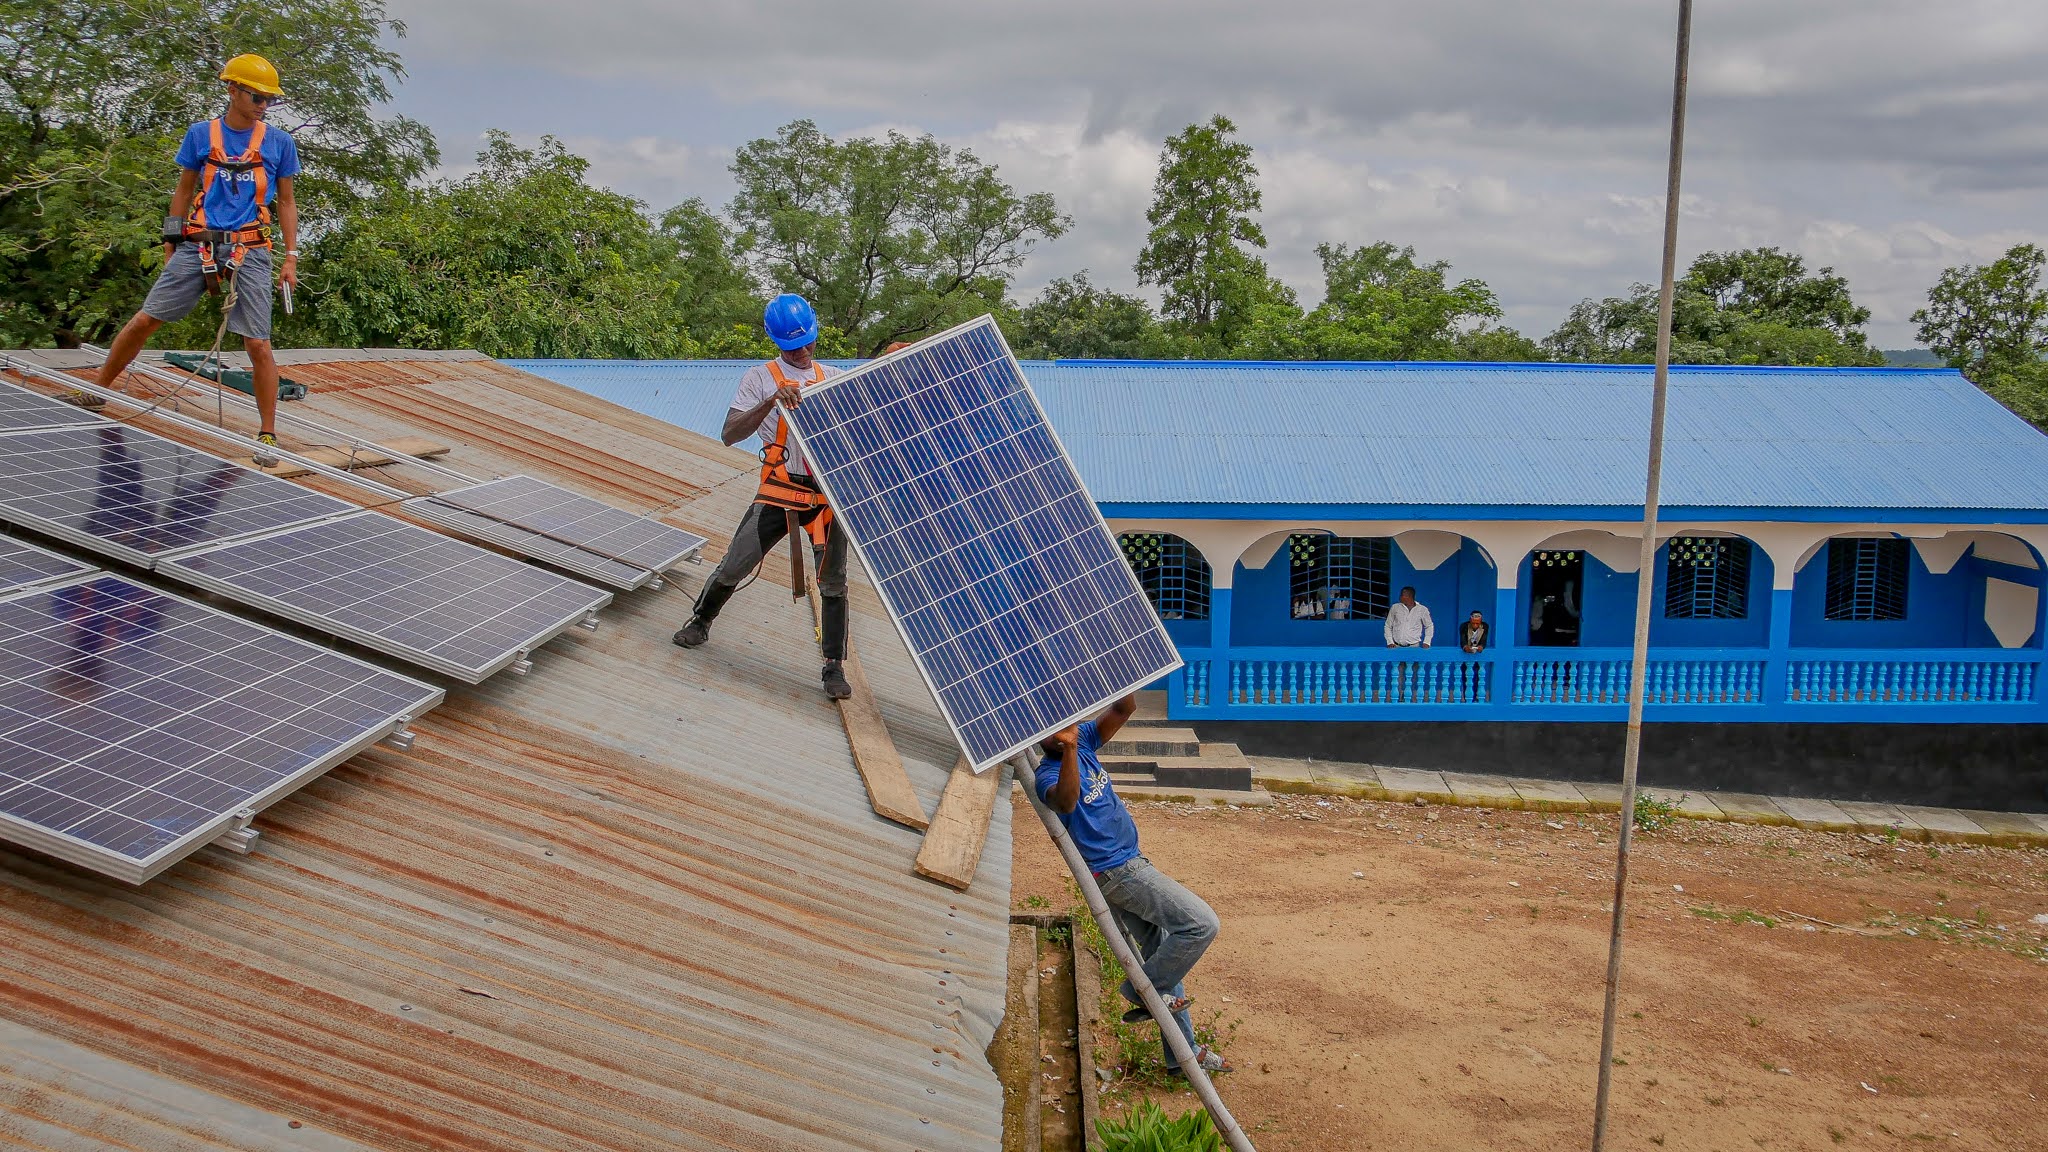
1170, 926
759, 532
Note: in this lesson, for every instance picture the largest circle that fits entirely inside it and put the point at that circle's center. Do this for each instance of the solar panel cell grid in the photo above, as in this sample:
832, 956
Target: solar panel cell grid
21, 409
133, 725
399, 588
538, 519
24, 564
135, 495
1010, 591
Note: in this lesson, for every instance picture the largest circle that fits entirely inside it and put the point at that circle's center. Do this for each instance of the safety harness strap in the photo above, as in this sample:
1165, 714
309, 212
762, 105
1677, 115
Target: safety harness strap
778, 489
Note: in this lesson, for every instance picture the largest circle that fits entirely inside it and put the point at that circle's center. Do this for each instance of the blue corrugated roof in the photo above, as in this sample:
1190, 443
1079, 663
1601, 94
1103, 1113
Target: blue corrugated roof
1156, 435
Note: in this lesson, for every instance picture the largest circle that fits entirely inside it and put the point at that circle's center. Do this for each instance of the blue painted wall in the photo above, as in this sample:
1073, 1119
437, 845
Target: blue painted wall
1979, 634
1937, 610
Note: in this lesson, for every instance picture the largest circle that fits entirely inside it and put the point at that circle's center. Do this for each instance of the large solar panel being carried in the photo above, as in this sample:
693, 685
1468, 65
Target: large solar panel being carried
1009, 589
136, 727
22, 409
25, 565
443, 604
134, 495
556, 526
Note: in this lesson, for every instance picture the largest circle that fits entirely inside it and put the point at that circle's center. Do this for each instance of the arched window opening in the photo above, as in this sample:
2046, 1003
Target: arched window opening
1172, 571
1337, 577
1867, 578
1706, 578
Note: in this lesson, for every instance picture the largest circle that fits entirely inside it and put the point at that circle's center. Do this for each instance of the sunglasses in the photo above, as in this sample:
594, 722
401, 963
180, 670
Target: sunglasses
258, 98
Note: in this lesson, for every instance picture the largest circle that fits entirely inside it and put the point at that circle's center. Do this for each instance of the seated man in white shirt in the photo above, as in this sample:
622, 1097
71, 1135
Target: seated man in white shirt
1408, 623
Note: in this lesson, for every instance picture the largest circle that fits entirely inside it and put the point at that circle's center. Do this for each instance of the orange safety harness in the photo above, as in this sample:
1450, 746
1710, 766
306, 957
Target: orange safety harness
778, 489
255, 234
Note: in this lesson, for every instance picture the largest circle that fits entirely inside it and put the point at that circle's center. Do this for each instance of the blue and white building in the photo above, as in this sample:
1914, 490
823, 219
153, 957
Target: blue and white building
1837, 546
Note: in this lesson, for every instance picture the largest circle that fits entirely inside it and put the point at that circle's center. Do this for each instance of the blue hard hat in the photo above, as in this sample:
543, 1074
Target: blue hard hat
791, 322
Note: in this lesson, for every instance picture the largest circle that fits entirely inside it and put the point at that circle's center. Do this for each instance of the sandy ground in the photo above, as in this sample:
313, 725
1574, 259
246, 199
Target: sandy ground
1449, 997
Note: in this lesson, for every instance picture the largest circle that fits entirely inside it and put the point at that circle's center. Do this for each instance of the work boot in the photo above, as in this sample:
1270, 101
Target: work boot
264, 456
834, 677
696, 632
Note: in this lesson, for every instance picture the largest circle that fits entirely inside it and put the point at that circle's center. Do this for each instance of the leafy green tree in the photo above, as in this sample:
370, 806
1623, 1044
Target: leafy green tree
890, 239
524, 258
1199, 251
716, 297
94, 96
1992, 322
1073, 319
1756, 306
1380, 304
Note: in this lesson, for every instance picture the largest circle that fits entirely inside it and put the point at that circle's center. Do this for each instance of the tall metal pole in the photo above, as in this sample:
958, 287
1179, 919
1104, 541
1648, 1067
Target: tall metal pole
1645, 573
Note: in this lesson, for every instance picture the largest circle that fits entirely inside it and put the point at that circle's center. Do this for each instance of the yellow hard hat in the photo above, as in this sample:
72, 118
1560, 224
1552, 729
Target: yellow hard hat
254, 72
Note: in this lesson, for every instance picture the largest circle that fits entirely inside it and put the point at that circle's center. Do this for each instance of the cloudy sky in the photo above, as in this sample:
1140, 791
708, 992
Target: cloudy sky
1523, 142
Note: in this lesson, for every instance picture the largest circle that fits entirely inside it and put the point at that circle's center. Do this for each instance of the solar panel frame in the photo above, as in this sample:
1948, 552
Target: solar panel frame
113, 505
632, 553
24, 566
326, 575
182, 754
26, 410
849, 495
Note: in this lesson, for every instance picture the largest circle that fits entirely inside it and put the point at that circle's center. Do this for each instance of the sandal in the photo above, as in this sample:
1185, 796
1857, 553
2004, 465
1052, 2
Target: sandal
1174, 1007
1211, 1061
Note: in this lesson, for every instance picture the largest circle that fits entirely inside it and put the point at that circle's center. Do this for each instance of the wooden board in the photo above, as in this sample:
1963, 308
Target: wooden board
874, 753
364, 457
952, 845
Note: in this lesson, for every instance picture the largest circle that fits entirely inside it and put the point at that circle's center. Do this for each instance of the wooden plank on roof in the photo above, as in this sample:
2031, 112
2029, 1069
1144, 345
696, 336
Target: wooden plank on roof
360, 457
874, 753
952, 845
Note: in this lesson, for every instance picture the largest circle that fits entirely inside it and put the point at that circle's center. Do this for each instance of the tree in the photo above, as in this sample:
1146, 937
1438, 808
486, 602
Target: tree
890, 239
1380, 304
1756, 306
1198, 250
94, 95
1992, 323
524, 258
1073, 319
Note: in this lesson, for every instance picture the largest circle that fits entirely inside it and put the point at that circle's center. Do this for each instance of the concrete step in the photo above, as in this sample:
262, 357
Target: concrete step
1147, 788
1159, 741
1151, 709
1220, 766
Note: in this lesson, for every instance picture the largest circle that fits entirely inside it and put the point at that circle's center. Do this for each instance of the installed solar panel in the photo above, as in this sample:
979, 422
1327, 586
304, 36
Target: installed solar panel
135, 726
1009, 589
134, 495
575, 533
398, 588
21, 408
23, 565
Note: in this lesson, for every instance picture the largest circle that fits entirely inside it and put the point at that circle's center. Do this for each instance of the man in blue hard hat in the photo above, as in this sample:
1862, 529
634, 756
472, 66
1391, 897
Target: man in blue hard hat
787, 491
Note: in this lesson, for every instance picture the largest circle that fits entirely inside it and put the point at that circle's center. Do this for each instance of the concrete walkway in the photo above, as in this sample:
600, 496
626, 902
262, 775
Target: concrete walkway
1908, 821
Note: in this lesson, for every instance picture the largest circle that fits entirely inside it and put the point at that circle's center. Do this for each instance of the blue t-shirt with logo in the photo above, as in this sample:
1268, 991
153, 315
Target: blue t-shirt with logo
1100, 824
231, 199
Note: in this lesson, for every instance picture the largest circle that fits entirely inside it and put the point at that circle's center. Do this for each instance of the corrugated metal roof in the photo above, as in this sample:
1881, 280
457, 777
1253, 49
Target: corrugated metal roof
634, 900
1485, 435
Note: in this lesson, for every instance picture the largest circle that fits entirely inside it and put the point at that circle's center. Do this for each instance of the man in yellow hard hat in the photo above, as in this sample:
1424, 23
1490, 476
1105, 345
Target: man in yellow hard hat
218, 235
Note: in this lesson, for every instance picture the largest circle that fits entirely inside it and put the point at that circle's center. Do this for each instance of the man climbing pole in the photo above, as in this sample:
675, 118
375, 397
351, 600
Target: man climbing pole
786, 487
217, 237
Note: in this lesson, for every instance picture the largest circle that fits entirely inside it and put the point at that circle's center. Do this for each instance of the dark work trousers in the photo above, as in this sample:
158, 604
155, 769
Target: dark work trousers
759, 532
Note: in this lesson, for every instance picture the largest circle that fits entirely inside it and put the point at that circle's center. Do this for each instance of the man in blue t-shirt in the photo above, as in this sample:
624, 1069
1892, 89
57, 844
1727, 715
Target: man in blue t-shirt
1170, 926
235, 167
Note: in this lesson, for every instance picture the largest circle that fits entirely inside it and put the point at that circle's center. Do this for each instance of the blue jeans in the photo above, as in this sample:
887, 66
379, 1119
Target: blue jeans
1170, 927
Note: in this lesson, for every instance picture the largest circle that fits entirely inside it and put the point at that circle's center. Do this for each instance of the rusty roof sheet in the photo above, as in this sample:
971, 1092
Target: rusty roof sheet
634, 900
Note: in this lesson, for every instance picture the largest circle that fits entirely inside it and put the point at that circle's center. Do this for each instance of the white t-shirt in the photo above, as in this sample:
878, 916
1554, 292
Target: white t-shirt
759, 384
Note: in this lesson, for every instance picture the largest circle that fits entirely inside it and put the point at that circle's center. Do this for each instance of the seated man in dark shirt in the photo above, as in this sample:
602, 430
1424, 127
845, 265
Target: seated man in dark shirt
1170, 926
1472, 633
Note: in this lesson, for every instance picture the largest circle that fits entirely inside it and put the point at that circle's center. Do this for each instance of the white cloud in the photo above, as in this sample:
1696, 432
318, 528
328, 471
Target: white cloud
1525, 143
